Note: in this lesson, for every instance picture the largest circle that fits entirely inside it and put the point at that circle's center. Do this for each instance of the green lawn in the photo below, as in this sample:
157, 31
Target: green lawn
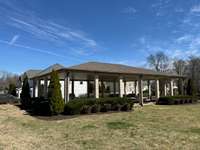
150, 127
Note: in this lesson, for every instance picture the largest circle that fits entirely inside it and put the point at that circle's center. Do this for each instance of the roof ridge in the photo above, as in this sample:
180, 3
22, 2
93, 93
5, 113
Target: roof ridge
125, 65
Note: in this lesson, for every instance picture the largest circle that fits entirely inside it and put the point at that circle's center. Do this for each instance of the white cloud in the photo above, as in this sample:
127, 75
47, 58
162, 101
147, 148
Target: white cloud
51, 31
184, 38
129, 10
195, 9
47, 52
14, 39
46, 30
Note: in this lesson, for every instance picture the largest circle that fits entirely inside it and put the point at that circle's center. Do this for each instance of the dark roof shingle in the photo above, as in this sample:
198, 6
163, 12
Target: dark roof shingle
115, 68
50, 68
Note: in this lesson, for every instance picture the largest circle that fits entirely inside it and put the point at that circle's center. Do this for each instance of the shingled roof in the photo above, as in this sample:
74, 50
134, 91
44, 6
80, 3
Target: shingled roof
116, 68
32, 73
103, 68
50, 68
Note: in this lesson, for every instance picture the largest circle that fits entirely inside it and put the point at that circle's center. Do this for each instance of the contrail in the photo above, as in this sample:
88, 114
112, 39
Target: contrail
32, 49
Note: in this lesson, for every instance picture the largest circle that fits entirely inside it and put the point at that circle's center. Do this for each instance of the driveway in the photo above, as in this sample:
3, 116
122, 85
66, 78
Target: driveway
6, 98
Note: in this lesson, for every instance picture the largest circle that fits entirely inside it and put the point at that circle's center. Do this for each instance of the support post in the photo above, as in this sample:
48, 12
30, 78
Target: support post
114, 88
182, 86
121, 87
165, 89
45, 87
66, 87
34, 84
140, 81
171, 88
157, 89
102, 88
136, 88
73, 95
88, 88
149, 89
96, 85
37, 88
125, 93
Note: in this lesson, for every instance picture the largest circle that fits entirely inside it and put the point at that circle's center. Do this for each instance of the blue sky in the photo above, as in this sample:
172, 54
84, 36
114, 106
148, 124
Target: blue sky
37, 33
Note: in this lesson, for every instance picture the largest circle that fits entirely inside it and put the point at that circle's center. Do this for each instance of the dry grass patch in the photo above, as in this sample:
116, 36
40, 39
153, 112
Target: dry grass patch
151, 127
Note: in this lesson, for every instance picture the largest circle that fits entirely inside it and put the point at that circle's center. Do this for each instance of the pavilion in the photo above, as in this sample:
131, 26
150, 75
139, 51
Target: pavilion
97, 72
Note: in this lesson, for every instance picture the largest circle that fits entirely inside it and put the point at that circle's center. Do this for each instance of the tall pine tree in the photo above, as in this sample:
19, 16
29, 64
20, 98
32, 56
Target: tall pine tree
56, 101
25, 95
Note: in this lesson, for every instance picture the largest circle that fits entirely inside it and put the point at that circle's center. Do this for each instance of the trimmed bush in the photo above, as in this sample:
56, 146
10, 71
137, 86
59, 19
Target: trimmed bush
95, 108
85, 109
25, 95
56, 102
84, 106
40, 106
116, 107
174, 100
126, 107
105, 107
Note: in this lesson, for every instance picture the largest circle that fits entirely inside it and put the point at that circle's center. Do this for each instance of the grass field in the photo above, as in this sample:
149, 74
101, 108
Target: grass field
150, 127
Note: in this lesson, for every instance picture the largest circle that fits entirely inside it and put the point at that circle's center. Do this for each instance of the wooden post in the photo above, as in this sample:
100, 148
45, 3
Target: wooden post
140, 90
45, 87
88, 88
66, 87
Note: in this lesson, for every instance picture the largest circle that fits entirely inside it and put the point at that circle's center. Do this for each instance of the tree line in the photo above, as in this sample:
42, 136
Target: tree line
8, 82
189, 67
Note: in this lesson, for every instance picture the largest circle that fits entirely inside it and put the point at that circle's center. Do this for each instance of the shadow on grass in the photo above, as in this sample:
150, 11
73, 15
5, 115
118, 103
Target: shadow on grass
118, 125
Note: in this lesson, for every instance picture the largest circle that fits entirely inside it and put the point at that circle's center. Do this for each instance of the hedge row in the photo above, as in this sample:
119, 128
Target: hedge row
174, 100
40, 106
86, 106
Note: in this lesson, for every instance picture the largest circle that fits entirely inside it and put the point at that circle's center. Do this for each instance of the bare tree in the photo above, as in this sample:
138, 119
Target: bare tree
159, 61
179, 66
193, 73
7, 78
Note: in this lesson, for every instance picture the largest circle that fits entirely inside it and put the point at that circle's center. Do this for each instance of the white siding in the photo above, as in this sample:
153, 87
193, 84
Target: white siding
80, 89
62, 88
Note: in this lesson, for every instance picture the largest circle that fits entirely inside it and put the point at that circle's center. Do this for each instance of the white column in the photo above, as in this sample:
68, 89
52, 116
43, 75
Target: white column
136, 88
45, 87
140, 90
66, 87
157, 89
37, 88
121, 87
33, 87
149, 88
96, 86
171, 88
165, 89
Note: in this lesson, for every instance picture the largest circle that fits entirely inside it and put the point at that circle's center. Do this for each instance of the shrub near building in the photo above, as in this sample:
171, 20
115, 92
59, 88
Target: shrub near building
56, 102
174, 100
25, 95
85, 106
